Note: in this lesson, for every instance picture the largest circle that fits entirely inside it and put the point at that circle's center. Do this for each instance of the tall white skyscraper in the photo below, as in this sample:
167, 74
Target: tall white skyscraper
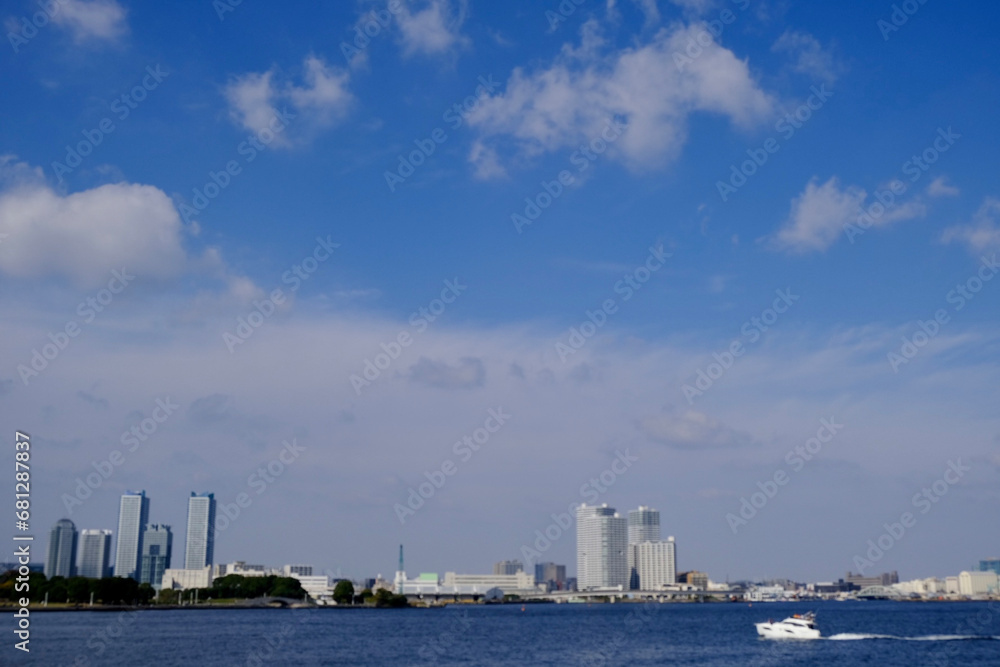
199, 548
601, 548
95, 553
655, 564
643, 526
133, 515
60, 561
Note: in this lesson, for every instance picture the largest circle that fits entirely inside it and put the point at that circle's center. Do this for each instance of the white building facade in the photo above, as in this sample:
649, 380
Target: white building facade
601, 549
655, 564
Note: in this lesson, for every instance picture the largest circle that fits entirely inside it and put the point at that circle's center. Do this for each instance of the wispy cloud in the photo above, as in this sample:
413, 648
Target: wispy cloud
982, 232
256, 99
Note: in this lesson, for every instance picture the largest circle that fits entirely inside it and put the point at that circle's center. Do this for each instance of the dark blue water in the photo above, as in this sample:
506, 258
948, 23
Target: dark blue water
855, 633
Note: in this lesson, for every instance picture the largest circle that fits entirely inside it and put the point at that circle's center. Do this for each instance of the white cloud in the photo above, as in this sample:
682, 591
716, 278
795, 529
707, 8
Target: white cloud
84, 235
93, 20
696, 6
434, 29
692, 430
940, 187
254, 99
982, 233
820, 213
572, 100
808, 55
818, 216
468, 373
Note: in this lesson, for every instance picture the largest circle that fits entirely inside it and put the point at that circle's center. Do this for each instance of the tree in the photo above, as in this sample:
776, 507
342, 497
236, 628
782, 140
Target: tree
343, 592
287, 587
78, 590
384, 598
145, 592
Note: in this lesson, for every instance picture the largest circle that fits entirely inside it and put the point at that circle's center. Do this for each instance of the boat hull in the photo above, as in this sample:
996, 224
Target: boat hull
783, 631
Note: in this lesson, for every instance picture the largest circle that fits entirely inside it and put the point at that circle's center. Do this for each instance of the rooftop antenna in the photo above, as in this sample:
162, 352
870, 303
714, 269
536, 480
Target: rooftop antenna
401, 568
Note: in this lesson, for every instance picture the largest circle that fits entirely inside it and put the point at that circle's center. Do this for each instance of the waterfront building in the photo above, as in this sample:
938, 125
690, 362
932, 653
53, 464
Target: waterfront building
157, 544
694, 578
133, 515
95, 553
508, 567
244, 569
182, 579
884, 579
978, 583
601, 548
655, 564
552, 575
643, 526
60, 561
319, 587
199, 547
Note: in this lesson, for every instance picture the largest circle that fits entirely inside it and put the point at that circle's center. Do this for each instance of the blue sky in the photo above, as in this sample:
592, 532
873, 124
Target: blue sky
697, 88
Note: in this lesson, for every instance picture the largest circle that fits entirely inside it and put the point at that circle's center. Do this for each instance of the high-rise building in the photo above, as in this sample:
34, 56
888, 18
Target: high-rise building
133, 515
601, 548
990, 565
655, 564
157, 543
508, 567
60, 561
95, 553
643, 526
199, 548
552, 575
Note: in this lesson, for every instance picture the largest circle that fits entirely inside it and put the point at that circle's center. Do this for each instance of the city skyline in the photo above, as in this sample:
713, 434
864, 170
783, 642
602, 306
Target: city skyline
733, 259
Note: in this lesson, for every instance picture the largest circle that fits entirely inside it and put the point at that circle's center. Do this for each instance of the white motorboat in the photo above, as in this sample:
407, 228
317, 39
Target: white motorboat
797, 626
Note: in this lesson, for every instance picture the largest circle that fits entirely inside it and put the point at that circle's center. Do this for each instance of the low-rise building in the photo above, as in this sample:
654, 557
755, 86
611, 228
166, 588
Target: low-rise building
977, 583
181, 579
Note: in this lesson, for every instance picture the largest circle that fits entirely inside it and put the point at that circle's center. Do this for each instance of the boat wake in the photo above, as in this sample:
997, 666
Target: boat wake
851, 636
